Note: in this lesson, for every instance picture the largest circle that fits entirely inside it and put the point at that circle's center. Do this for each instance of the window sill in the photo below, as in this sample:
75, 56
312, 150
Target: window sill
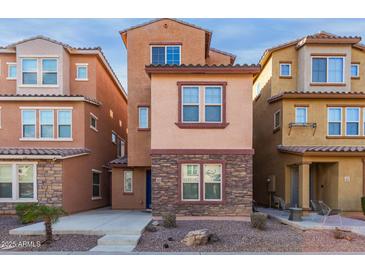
18, 201
200, 202
38, 86
276, 129
94, 129
346, 137
201, 125
328, 84
8, 78
96, 198
285, 77
355, 77
128, 193
143, 129
82, 80
46, 140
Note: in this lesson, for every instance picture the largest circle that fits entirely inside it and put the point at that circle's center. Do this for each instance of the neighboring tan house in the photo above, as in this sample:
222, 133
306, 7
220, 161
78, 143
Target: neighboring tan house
189, 122
309, 122
62, 119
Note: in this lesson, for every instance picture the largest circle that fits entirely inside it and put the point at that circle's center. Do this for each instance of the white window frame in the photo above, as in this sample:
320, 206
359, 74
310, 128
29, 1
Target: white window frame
182, 182
221, 183
93, 116
46, 71
35, 125
58, 124
328, 121
165, 46
122, 145
190, 104
206, 104
363, 121
82, 65
11, 64
327, 74
358, 122
306, 115
279, 125
39, 70
358, 71
285, 64
15, 183
124, 181
139, 117
40, 125
92, 184
114, 140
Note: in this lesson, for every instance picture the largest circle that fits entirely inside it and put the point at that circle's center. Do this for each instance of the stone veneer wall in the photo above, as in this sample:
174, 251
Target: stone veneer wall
49, 185
238, 186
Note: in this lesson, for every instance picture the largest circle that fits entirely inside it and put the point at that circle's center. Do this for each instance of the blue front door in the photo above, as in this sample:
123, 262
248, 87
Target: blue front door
148, 189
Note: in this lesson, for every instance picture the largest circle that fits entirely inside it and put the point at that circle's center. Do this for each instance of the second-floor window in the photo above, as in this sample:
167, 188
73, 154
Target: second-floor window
334, 121
355, 70
143, 117
39, 71
277, 119
162, 55
285, 69
328, 70
352, 121
11, 71
81, 72
301, 115
212, 104
47, 125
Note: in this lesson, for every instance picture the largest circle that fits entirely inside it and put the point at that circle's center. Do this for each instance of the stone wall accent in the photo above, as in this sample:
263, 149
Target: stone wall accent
49, 185
238, 186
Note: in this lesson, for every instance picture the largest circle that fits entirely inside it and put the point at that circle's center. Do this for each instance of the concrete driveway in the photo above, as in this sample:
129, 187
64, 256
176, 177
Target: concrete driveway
94, 222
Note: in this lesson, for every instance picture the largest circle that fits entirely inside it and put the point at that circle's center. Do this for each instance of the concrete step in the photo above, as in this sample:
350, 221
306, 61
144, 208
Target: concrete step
119, 240
113, 248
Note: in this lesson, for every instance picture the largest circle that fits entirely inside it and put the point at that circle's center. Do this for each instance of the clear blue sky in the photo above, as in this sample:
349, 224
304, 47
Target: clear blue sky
246, 38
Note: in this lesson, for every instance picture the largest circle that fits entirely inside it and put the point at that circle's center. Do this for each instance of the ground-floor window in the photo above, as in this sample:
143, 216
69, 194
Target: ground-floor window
128, 181
96, 184
18, 181
205, 176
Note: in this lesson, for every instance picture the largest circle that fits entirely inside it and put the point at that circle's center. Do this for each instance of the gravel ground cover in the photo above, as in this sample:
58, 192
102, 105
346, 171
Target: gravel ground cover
236, 236
35, 243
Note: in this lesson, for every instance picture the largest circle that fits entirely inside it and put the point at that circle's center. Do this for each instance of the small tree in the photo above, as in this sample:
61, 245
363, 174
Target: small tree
49, 214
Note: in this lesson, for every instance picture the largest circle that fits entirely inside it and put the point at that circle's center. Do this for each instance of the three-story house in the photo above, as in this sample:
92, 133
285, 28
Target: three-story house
189, 124
63, 117
309, 130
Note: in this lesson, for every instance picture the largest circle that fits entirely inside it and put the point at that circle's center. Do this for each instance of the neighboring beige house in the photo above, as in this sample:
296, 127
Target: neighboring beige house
63, 117
309, 130
189, 124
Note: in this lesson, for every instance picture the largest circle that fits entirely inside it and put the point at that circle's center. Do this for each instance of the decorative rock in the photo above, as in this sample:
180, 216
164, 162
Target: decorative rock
151, 228
196, 237
165, 246
170, 239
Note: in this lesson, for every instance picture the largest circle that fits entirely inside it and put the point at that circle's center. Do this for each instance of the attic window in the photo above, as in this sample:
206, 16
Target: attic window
162, 55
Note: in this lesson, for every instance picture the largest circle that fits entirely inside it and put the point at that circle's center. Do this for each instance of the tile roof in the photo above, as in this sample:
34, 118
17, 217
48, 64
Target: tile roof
119, 162
190, 68
326, 36
91, 100
305, 149
61, 152
317, 95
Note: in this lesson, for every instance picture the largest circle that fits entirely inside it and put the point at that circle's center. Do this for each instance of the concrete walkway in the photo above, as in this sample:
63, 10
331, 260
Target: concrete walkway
315, 221
122, 229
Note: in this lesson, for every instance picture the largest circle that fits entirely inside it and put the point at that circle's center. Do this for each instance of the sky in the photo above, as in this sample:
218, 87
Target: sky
245, 38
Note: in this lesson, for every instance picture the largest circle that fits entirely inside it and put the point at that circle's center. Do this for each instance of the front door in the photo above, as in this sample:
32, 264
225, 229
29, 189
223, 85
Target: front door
148, 189
295, 186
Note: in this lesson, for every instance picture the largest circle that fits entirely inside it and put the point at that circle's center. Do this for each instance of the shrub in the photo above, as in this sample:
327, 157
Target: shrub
363, 204
169, 220
338, 234
258, 220
22, 210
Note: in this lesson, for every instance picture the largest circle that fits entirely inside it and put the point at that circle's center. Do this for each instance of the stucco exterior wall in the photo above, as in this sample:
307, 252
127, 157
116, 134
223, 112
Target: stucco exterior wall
304, 67
6, 86
139, 86
86, 88
263, 82
164, 107
216, 58
358, 56
136, 200
11, 127
43, 48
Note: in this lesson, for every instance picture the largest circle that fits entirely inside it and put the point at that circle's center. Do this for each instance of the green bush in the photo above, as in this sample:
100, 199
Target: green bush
169, 220
258, 220
22, 211
363, 204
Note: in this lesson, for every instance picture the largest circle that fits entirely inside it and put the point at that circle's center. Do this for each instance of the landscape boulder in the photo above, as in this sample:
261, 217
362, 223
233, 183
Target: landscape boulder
197, 237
